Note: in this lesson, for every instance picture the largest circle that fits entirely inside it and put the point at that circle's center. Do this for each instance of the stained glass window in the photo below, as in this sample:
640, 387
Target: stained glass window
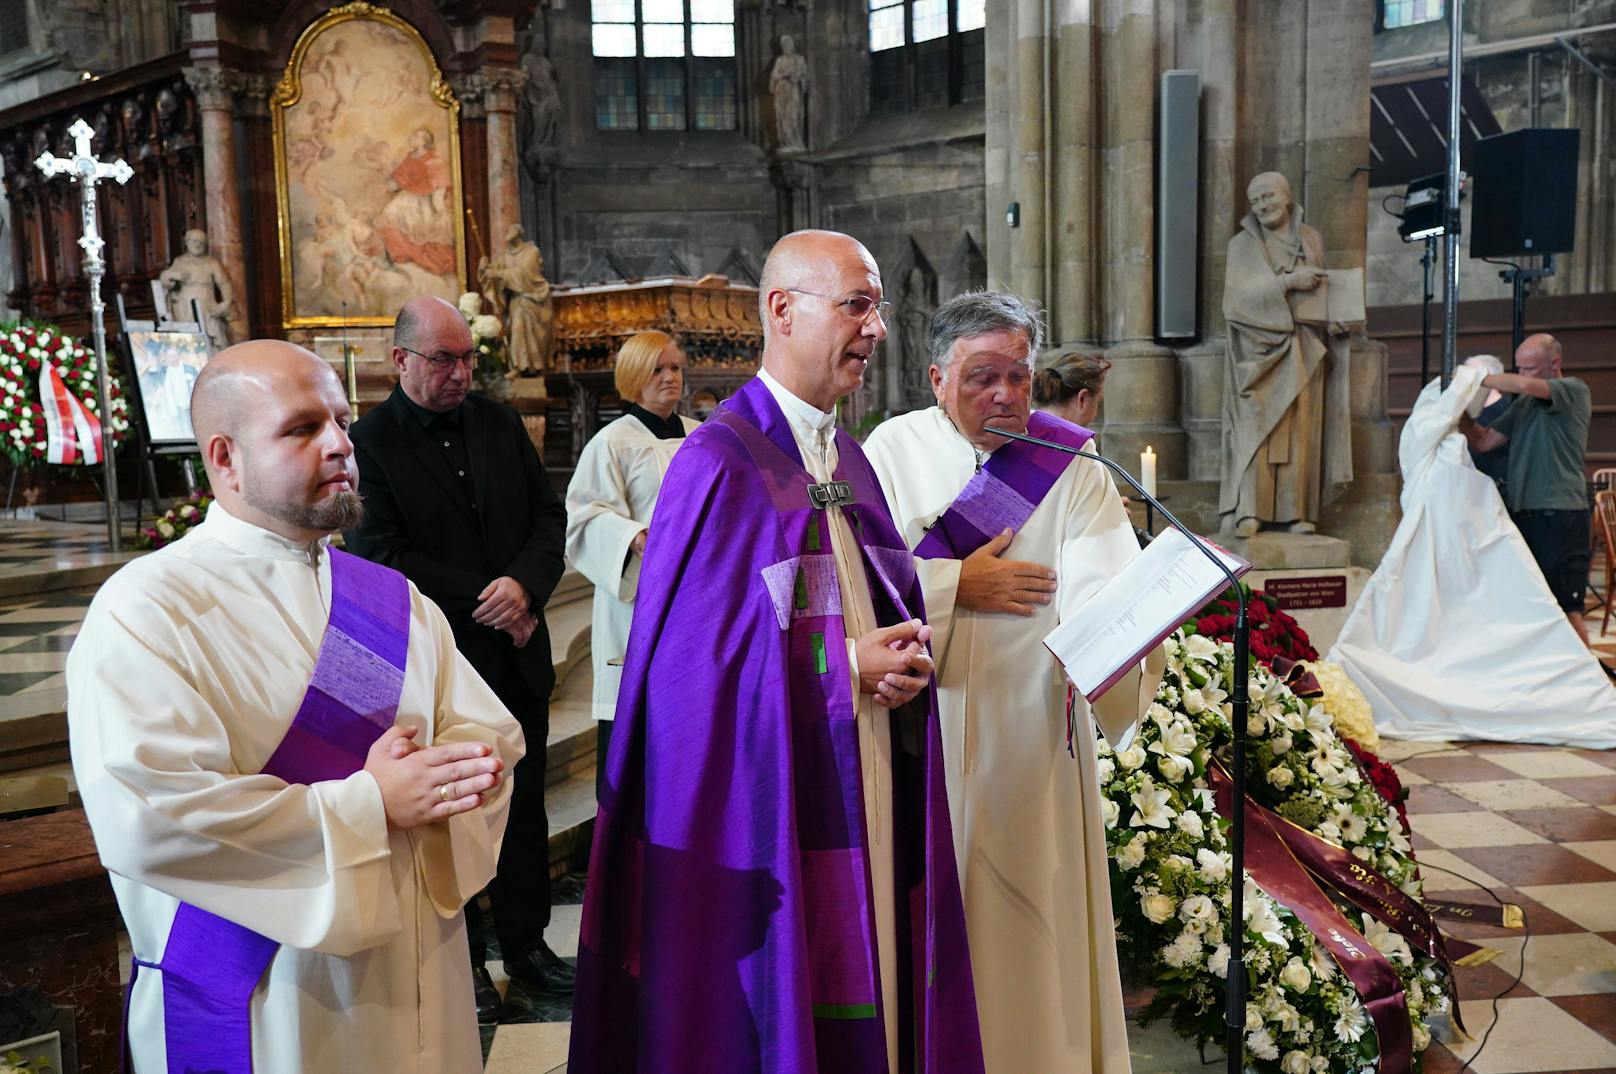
926, 53
886, 24
664, 65
1398, 13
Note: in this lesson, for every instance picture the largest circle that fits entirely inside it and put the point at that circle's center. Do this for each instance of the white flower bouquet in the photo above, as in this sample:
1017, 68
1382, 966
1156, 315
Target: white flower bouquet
1170, 869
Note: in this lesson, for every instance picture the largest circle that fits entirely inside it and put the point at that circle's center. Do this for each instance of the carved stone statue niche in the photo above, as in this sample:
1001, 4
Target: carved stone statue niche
1287, 439
197, 275
788, 83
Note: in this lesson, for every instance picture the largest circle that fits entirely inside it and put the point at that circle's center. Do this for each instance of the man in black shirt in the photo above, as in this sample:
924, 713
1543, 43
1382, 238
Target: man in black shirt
458, 501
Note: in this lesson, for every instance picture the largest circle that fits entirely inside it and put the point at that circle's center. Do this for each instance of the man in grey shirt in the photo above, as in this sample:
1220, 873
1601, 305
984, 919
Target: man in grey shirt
1546, 490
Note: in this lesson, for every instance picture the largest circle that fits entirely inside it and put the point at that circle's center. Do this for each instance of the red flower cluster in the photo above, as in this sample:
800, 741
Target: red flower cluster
1384, 779
1273, 632
22, 417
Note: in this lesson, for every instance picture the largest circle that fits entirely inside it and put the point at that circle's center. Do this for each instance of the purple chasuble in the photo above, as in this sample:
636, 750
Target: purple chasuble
728, 923
1005, 491
210, 965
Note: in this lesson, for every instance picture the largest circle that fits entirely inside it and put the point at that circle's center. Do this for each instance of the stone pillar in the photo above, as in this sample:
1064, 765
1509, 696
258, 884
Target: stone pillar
216, 90
501, 87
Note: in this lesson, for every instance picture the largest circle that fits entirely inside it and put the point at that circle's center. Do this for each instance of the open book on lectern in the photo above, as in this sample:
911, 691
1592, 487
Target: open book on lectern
1168, 581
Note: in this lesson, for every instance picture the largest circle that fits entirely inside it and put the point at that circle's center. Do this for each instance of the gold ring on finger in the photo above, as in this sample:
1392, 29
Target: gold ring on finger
443, 791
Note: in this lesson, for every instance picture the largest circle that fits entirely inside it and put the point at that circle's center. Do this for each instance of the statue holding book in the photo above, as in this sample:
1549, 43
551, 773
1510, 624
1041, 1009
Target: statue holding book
1287, 442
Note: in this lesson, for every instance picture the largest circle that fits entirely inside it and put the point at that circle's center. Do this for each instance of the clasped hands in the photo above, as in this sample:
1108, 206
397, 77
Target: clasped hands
424, 784
505, 606
893, 663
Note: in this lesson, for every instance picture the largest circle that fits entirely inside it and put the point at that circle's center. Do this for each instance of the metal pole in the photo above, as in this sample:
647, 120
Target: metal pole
94, 266
1450, 196
1428, 265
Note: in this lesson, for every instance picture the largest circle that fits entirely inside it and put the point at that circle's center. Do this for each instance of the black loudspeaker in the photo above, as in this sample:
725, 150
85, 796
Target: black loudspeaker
1525, 193
1178, 209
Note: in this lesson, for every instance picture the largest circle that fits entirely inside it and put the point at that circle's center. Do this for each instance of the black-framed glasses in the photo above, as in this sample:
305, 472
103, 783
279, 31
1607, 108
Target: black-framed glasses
859, 307
445, 361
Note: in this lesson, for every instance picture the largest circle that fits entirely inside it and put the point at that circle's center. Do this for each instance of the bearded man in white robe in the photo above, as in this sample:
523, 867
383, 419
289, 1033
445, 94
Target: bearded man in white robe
248, 649
1026, 812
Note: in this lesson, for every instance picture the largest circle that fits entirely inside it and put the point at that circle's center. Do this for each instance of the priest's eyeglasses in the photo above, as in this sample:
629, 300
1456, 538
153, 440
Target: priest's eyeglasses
444, 362
859, 307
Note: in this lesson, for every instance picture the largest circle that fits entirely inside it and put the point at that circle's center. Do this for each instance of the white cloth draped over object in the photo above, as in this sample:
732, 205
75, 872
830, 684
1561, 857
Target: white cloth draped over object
1028, 834
609, 501
189, 669
1456, 635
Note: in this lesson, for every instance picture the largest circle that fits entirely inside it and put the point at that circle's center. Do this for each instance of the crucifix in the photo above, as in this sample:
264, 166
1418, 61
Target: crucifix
85, 170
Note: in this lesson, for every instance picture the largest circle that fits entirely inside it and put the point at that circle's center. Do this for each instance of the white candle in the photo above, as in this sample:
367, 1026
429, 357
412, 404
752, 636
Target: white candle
1147, 469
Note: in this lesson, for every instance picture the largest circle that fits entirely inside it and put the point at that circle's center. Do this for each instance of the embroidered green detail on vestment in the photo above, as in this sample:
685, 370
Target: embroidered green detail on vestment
802, 590
813, 533
821, 663
846, 1012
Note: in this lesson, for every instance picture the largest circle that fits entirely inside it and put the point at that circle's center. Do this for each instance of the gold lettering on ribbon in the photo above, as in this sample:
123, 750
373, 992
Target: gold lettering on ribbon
1346, 945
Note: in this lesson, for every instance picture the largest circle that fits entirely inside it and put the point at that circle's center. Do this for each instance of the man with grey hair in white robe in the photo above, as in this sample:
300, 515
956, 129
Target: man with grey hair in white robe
1010, 541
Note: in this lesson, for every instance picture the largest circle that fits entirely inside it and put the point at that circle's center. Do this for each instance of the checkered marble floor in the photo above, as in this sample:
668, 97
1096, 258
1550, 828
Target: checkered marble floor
35, 634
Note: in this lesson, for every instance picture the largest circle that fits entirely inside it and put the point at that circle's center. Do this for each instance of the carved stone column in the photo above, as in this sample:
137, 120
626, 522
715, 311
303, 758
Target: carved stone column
215, 90
501, 88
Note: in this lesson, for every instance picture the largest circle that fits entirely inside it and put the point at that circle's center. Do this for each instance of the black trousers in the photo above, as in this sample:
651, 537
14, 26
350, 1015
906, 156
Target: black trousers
520, 891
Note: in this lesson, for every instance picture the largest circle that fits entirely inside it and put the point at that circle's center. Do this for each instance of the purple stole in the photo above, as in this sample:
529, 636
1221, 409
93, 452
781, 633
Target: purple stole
1005, 491
728, 923
210, 965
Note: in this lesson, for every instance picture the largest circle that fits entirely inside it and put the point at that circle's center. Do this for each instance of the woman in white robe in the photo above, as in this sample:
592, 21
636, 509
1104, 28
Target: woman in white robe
610, 500
1456, 635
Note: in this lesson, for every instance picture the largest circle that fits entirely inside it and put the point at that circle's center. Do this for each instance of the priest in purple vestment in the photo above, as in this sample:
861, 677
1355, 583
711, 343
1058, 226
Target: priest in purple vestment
772, 886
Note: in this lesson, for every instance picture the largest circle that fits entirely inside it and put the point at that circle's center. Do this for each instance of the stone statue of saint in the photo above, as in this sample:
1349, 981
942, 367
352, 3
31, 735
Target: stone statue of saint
788, 83
541, 107
915, 309
198, 275
513, 281
1287, 437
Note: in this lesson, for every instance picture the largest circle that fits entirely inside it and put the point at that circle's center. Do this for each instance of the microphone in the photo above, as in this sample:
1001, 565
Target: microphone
1234, 1015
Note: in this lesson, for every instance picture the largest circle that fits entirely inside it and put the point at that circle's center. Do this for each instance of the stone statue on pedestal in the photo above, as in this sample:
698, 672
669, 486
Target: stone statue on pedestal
788, 83
541, 109
513, 282
1287, 438
197, 275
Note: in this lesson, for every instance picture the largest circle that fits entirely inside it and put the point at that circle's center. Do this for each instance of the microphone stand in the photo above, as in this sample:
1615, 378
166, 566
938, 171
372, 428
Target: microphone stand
1234, 1014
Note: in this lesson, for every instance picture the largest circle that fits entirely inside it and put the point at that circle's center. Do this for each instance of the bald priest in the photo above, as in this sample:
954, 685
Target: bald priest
293, 778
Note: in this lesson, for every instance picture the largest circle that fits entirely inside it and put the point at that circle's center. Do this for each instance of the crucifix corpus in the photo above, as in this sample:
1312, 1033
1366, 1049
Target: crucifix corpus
83, 169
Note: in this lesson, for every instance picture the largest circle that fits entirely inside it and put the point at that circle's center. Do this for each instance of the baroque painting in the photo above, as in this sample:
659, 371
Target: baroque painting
367, 160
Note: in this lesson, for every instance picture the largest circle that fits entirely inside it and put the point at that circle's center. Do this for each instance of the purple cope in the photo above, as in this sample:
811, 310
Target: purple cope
728, 923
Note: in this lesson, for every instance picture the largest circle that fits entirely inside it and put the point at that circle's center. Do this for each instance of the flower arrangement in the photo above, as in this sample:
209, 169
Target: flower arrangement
24, 348
1171, 869
486, 338
1346, 704
175, 523
1273, 631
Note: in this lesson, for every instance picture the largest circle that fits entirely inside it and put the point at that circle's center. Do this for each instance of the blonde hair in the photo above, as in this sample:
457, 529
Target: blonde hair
636, 362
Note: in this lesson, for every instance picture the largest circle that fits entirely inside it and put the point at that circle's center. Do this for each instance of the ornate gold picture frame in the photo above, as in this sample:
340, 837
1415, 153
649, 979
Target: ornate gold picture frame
368, 196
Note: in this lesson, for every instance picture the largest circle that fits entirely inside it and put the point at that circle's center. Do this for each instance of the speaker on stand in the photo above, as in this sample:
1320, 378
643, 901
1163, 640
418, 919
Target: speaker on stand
1525, 204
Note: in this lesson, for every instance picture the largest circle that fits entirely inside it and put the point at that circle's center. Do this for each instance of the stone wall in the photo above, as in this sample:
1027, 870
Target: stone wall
615, 204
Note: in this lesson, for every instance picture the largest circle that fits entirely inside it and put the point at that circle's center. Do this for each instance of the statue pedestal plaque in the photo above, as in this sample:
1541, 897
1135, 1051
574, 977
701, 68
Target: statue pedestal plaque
1308, 573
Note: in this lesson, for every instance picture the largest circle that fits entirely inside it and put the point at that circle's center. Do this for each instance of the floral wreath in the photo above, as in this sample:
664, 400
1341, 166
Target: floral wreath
25, 348
1170, 869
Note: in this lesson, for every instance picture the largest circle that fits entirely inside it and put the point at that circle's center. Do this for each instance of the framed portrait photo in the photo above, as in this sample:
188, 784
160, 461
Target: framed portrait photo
367, 172
164, 364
